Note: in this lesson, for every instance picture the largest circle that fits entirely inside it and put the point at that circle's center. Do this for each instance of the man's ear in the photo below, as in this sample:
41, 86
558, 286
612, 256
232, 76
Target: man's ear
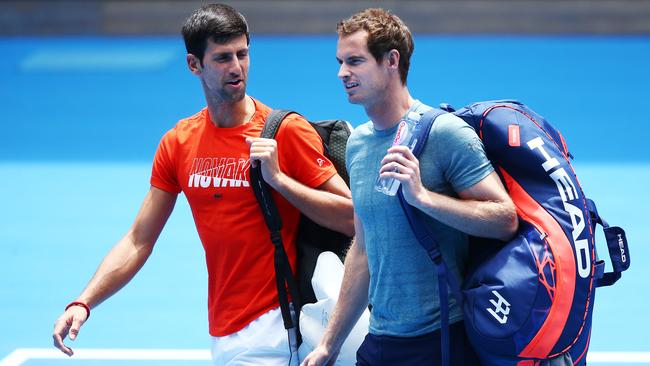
194, 64
392, 57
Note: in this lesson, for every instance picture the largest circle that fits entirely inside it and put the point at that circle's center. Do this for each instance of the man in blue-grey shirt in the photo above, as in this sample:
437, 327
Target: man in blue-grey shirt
453, 183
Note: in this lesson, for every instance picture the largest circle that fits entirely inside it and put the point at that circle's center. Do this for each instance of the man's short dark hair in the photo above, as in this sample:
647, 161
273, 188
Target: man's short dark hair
386, 32
218, 22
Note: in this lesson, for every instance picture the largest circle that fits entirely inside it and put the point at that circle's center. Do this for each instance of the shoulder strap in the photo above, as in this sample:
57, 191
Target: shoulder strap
273, 122
428, 241
261, 189
283, 274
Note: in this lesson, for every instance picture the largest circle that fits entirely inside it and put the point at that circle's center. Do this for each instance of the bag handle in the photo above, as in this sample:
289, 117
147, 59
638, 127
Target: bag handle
619, 253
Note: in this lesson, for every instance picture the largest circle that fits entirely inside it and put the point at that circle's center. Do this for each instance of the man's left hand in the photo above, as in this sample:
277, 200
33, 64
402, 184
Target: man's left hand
401, 164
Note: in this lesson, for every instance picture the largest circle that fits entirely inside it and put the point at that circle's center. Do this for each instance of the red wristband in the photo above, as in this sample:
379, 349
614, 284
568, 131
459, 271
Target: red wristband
78, 303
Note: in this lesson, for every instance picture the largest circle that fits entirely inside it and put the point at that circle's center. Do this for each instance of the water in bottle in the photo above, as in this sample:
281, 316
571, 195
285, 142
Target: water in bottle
403, 136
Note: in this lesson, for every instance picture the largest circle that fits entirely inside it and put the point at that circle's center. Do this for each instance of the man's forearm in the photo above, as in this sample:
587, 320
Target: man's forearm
489, 219
130, 253
352, 301
329, 209
116, 270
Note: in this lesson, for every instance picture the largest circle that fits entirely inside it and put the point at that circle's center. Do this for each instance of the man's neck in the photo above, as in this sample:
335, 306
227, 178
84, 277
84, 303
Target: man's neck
388, 111
231, 114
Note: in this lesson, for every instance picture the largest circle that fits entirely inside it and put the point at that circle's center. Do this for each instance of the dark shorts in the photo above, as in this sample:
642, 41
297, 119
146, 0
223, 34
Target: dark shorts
423, 350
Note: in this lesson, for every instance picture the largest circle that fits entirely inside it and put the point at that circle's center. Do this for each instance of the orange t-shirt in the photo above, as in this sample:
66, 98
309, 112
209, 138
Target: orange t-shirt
211, 166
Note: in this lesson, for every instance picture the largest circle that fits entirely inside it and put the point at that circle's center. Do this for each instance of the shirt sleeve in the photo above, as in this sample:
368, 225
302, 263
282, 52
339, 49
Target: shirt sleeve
301, 153
163, 171
460, 152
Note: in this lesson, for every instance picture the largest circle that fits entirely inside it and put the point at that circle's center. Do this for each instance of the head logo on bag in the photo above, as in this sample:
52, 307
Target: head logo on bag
532, 298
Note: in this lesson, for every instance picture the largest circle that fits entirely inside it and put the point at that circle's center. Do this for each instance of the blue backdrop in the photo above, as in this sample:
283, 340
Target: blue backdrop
81, 119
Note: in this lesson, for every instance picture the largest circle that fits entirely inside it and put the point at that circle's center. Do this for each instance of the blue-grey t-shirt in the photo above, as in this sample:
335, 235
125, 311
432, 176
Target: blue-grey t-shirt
403, 285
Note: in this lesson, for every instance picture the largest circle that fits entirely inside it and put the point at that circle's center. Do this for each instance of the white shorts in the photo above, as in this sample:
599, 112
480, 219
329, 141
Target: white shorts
262, 342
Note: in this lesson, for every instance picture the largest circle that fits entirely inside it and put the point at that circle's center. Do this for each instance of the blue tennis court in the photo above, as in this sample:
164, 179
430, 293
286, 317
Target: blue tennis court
82, 118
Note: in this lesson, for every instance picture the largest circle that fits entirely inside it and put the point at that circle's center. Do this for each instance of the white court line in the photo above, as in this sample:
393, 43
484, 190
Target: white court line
619, 357
21, 355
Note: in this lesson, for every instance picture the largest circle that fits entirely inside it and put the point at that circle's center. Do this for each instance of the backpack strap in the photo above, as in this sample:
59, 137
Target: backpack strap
283, 274
273, 122
428, 241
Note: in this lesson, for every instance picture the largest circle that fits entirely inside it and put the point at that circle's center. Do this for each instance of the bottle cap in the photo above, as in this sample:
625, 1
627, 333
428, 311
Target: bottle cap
413, 116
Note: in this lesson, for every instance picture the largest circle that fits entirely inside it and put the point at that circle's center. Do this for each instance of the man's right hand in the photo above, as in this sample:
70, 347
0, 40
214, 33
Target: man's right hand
320, 356
68, 323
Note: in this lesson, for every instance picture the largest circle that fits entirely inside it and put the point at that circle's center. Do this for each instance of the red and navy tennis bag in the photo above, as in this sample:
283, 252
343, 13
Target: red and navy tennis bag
531, 298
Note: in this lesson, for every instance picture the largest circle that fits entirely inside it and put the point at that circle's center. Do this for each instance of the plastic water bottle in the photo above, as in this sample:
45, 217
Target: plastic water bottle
404, 136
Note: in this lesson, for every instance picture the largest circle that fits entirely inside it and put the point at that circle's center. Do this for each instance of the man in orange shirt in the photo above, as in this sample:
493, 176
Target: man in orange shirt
207, 157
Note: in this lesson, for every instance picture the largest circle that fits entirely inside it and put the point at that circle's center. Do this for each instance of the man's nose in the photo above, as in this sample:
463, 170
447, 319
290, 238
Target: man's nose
343, 72
235, 67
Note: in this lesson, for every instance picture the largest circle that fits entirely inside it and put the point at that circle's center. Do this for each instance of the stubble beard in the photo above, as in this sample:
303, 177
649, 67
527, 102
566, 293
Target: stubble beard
233, 97
226, 96
223, 95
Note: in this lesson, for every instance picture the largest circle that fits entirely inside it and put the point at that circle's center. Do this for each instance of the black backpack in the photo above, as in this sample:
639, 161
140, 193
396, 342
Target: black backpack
312, 239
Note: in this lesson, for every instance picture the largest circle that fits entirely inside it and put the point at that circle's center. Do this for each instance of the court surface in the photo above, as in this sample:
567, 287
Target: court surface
82, 117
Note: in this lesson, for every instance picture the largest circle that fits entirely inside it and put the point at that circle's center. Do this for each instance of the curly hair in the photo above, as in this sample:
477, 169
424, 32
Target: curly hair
386, 32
